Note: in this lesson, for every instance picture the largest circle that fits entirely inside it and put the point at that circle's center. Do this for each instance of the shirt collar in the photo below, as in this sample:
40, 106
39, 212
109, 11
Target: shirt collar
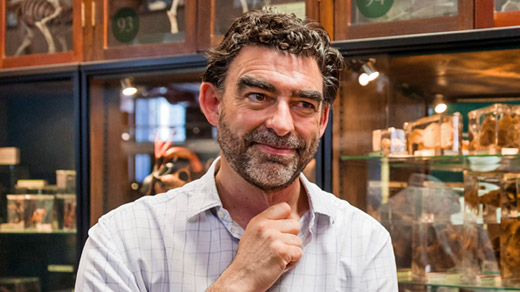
209, 198
318, 203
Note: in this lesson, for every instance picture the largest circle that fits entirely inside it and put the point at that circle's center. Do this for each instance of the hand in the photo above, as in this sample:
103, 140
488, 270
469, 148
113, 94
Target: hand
269, 245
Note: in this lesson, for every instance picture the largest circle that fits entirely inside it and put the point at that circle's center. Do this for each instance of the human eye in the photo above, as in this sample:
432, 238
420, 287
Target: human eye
307, 106
256, 97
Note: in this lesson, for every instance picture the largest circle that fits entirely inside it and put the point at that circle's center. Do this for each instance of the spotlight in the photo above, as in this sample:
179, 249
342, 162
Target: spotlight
363, 79
439, 105
369, 73
127, 88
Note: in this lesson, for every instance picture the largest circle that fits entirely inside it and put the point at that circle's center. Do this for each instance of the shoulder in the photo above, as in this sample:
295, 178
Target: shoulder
150, 211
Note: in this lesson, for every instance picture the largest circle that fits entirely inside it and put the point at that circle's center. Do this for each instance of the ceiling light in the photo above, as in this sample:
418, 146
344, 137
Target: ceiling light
371, 71
127, 88
439, 105
363, 79
368, 73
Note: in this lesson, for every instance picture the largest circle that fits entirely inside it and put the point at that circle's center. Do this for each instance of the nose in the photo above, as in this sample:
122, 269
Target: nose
281, 120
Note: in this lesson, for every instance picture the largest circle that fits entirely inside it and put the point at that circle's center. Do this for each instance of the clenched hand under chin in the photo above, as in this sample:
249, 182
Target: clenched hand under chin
269, 246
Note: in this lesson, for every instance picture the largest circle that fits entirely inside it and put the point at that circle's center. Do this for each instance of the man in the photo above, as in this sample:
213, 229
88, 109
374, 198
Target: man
252, 222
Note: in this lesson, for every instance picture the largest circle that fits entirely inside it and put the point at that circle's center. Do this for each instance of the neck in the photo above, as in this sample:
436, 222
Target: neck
244, 201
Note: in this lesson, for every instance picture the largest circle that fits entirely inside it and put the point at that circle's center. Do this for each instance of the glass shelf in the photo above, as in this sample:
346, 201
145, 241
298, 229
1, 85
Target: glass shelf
480, 162
460, 286
453, 281
37, 232
405, 280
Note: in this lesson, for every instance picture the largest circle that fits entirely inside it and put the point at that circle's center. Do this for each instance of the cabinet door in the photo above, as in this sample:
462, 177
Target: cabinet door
355, 19
150, 140
497, 13
40, 32
143, 28
453, 216
38, 167
215, 16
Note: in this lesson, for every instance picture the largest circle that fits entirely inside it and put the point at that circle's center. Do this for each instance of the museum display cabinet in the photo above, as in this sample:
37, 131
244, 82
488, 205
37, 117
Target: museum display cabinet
151, 139
216, 15
40, 32
354, 19
40, 225
136, 28
425, 139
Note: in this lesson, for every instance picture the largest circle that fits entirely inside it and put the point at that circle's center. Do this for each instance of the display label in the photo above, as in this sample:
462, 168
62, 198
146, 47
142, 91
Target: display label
125, 25
374, 8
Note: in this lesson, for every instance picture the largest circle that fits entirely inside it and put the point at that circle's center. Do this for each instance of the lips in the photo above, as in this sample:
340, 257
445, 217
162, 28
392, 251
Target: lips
275, 149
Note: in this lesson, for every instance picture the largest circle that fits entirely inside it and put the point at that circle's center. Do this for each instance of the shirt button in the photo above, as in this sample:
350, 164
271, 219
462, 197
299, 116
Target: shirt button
220, 214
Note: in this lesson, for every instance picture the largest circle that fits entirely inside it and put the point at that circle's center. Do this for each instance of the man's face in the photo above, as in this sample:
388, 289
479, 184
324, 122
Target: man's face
271, 116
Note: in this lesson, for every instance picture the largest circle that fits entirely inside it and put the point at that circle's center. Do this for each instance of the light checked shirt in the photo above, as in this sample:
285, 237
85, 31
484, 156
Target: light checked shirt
184, 239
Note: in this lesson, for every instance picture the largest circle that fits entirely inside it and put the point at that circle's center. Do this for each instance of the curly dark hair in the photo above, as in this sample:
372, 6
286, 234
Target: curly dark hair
282, 32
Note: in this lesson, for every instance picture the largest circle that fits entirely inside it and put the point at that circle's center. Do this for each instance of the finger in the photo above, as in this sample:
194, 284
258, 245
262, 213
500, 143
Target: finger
291, 239
291, 226
277, 211
294, 254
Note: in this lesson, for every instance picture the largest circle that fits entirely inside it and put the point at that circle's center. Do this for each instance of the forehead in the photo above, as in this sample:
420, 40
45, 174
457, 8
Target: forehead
276, 67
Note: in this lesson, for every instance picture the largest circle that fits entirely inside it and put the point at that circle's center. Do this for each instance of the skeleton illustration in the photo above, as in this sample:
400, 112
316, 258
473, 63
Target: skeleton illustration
171, 12
48, 16
172, 15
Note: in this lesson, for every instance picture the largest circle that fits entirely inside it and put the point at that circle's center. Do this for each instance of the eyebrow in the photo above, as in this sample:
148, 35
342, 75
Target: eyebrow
248, 81
308, 94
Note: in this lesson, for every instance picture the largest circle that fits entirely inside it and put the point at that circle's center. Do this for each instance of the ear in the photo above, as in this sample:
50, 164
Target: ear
324, 119
209, 101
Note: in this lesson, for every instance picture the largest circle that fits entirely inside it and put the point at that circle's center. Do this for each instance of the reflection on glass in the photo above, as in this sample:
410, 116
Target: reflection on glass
38, 27
375, 11
152, 141
507, 5
37, 186
454, 219
134, 22
227, 10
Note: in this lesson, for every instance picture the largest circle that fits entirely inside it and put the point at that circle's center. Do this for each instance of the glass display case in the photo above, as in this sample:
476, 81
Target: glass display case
147, 132
222, 12
40, 32
450, 203
132, 28
39, 142
356, 19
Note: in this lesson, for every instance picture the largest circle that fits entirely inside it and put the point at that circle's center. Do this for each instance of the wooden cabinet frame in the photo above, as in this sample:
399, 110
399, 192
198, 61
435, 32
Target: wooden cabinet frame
345, 30
100, 22
75, 55
206, 38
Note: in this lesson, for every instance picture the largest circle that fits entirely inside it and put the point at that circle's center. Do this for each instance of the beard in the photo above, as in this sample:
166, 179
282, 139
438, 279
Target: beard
268, 172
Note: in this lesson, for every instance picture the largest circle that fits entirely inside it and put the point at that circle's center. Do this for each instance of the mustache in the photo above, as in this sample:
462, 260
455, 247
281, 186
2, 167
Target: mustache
269, 137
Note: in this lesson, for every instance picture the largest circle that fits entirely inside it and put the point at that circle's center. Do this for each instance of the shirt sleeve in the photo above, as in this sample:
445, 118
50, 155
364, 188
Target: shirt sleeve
380, 271
101, 266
